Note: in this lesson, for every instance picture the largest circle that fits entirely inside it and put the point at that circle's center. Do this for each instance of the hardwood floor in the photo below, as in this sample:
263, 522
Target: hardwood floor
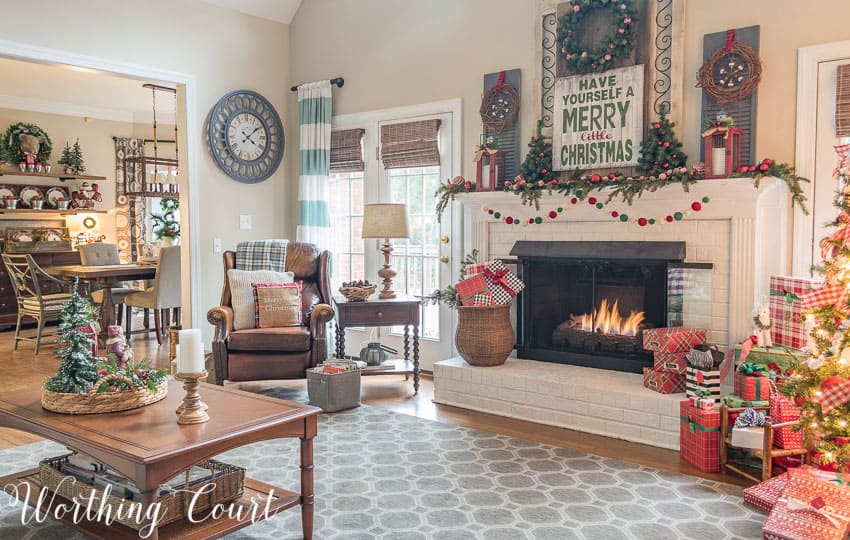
20, 369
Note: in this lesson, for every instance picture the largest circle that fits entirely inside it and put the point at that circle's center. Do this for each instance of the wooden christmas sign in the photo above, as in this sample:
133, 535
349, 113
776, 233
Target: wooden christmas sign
598, 120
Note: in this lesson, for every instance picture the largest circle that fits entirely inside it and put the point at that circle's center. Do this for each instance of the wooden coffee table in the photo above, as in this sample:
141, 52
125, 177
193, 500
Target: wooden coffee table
148, 446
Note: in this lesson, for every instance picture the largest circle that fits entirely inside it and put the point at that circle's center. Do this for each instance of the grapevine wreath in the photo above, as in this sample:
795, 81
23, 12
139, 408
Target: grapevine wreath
499, 106
580, 58
730, 73
13, 145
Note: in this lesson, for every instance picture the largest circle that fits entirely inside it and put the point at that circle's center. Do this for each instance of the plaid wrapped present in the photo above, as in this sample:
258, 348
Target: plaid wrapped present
751, 384
702, 403
765, 494
483, 299
670, 340
699, 436
674, 361
780, 360
503, 284
703, 383
663, 382
786, 309
810, 508
783, 410
469, 287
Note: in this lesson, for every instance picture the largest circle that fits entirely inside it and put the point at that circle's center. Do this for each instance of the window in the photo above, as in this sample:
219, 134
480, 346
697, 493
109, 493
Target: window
346, 215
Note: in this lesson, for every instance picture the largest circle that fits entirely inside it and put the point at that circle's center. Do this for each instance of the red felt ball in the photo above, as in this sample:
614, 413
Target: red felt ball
491, 211
696, 206
666, 144
553, 214
800, 401
574, 200
595, 178
509, 220
657, 126
615, 213
544, 171
591, 200
669, 219
531, 221
763, 167
612, 176
642, 222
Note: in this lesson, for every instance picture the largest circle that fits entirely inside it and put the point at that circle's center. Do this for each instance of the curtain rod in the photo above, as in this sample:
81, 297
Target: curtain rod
339, 81
160, 88
167, 141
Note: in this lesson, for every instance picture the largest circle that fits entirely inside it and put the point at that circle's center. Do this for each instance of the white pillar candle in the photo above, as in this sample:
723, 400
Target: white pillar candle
718, 161
191, 359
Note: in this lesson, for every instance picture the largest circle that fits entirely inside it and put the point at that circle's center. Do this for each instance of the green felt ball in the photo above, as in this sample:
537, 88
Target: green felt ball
497, 215
599, 205
538, 220
652, 221
560, 209
678, 216
579, 193
624, 217
706, 199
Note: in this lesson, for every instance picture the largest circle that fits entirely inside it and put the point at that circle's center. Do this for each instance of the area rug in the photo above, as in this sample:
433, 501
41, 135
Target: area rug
389, 476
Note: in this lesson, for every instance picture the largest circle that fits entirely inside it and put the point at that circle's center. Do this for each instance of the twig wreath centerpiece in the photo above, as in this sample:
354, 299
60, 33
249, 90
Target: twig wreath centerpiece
578, 57
26, 143
731, 72
500, 105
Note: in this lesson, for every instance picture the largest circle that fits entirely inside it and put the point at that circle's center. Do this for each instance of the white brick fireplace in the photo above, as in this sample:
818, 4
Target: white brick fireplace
743, 232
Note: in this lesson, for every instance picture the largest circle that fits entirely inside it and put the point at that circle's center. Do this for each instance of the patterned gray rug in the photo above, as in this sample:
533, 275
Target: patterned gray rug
384, 475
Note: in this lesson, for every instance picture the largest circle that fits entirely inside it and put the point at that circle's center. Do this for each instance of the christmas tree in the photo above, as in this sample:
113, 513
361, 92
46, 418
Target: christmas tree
820, 386
77, 372
660, 151
537, 166
72, 158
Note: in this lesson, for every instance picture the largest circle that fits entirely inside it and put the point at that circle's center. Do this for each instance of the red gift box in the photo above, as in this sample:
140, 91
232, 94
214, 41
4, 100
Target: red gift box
674, 362
663, 382
810, 509
786, 309
699, 436
504, 285
482, 299
671, 340
469, 287
765, 494
783, 410
751, 388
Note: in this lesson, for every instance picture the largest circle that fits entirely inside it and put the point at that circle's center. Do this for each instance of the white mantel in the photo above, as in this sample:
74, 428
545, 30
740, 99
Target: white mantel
745, 232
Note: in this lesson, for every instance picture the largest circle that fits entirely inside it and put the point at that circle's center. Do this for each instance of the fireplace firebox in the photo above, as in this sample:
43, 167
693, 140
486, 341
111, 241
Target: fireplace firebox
586, 303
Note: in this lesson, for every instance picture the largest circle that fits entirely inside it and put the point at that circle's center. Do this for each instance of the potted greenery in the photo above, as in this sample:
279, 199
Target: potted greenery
166, 228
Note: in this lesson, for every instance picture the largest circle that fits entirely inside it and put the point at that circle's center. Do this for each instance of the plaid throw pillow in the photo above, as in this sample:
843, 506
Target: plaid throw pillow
277, 304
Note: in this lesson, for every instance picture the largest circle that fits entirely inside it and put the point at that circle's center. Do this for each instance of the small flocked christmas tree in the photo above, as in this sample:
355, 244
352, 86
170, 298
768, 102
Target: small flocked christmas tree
72, 158
660, 151
821, 385
537, 165
77, 370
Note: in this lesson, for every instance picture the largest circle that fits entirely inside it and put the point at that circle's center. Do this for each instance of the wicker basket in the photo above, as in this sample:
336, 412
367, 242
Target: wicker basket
484, 334
94, 403
228, 486
357, 294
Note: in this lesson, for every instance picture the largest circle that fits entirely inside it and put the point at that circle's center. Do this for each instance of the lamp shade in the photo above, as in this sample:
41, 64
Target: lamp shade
385, 220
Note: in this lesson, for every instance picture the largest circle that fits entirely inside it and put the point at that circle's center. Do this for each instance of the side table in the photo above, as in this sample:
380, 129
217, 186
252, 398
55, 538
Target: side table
390, 312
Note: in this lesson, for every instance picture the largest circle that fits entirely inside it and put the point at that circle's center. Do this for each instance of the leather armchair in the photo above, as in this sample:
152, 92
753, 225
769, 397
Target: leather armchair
276, 353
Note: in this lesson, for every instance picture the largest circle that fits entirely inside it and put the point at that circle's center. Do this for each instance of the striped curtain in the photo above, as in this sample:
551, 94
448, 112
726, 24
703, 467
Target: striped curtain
314, 110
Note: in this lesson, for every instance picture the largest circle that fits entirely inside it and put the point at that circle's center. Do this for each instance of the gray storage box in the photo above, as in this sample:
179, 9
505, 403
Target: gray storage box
333, 391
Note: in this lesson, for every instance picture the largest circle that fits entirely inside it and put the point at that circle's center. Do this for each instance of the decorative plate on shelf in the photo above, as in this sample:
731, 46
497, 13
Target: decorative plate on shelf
52, 196
27, 193
22, 235
52, 235
8, 190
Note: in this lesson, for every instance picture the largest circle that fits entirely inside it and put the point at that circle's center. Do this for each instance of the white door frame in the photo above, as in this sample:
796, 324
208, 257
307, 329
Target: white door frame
808, 60
189, 138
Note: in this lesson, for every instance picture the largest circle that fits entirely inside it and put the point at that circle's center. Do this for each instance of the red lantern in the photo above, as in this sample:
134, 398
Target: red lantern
722, 146
490, 167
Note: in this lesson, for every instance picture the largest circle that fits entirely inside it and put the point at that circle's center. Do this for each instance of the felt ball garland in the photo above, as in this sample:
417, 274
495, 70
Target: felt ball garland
554, 214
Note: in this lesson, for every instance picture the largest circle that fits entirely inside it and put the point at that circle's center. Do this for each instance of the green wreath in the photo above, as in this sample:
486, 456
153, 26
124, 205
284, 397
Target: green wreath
12, 145
579, 58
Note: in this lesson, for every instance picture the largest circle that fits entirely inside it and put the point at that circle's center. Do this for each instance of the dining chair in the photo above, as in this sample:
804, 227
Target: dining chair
100, 254
165, 294
39, 295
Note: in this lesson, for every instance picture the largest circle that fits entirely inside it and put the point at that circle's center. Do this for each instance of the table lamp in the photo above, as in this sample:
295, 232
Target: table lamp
385, 220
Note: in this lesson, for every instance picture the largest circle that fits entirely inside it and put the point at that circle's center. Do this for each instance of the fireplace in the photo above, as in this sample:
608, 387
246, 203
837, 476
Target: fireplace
586, 303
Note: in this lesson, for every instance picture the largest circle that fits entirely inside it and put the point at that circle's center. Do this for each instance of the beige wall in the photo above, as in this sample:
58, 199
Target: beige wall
401, 53
224, 50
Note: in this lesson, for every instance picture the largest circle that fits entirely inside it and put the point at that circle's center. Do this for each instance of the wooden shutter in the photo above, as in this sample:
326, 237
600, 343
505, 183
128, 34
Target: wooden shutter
347, 150
842, 102
508, 140
410, 144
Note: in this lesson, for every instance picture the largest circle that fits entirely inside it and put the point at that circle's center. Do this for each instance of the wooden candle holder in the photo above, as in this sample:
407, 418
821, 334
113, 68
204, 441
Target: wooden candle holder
193, 410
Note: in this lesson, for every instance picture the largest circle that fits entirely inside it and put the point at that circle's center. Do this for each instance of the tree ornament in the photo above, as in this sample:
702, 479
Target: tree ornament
618, 43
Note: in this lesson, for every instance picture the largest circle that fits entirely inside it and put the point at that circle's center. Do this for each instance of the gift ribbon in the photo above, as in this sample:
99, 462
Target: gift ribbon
750, 418
500, 278
789, 299
484, 150
839, 240
694, 426
730, 39
818, 506
751, 368
842, 151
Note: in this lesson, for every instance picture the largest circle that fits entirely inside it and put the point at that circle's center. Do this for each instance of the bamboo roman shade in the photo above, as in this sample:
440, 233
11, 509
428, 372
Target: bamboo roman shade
410, 144
346, 150
842, 102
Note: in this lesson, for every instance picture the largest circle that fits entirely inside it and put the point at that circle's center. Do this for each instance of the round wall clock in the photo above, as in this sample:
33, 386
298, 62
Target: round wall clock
246, 136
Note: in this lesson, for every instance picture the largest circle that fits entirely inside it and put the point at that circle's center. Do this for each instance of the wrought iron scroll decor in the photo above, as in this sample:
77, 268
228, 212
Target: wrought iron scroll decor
663, 56
548, 65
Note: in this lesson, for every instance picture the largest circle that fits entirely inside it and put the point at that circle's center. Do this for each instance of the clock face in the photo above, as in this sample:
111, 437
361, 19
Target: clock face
246, 136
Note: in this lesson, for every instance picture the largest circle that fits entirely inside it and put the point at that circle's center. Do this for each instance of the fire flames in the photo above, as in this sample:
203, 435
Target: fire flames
607, 320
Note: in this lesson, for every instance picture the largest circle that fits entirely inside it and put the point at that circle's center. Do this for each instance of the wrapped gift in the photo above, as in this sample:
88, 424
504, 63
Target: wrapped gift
780, 360
748, 437
469, 287
766, 494
504, 285
703, 383
482, 299
786, 309
663, 382
673, 339
735, 402
809, 509
699, 436
752, 382
702, 403
782, 410
674, 361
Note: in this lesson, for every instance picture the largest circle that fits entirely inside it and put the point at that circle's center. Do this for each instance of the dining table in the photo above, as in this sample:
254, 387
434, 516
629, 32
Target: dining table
107, 276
